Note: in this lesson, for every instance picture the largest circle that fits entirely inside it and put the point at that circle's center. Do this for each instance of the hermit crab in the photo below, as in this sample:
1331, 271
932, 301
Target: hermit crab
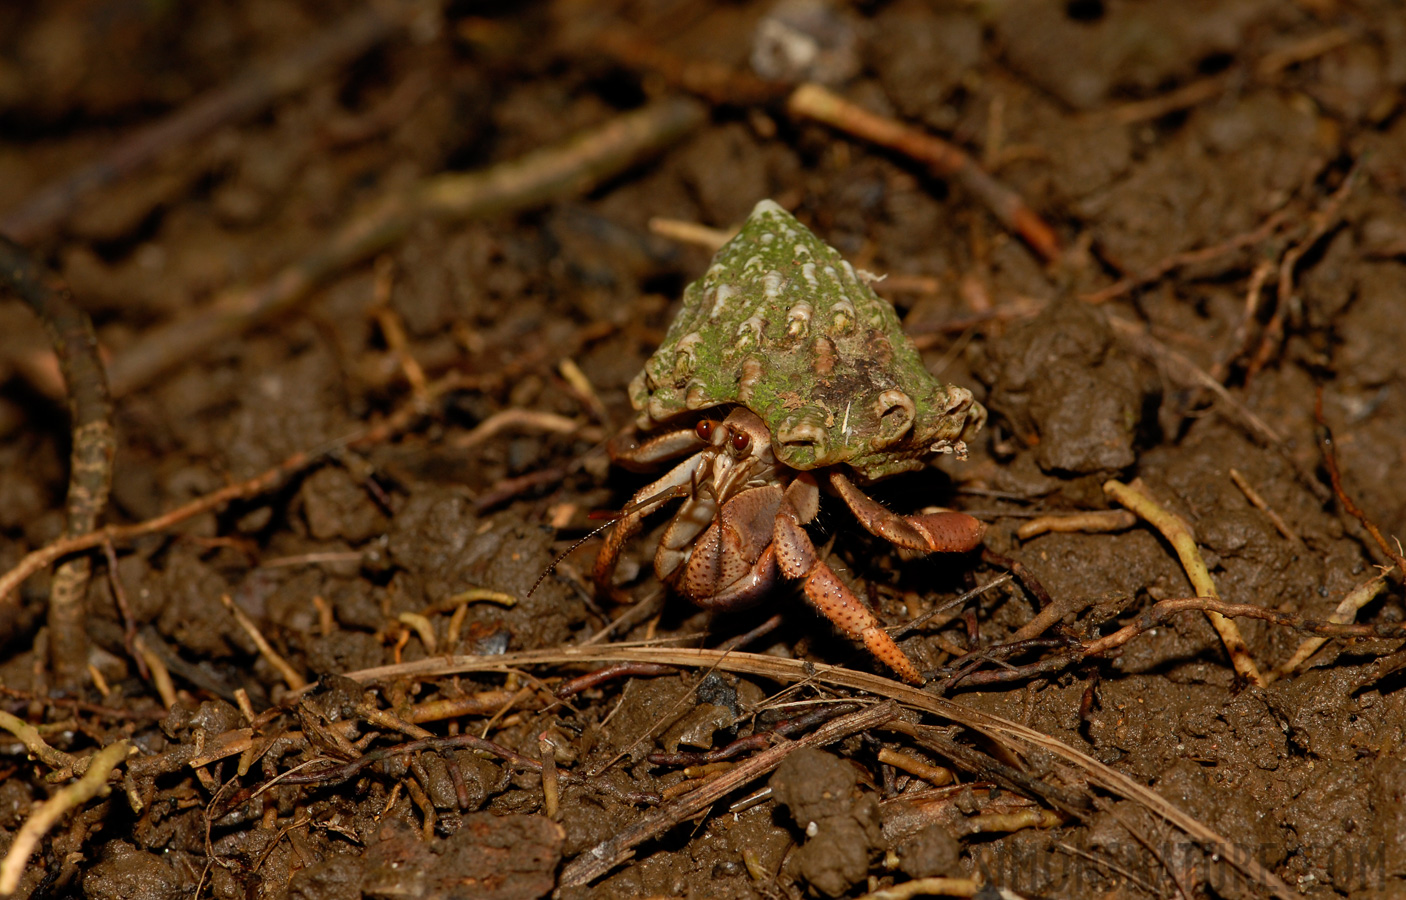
804, 378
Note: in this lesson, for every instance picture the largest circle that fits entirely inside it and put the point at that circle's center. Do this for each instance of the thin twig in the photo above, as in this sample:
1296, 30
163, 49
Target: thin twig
291, 676
526, 420
930, 887
1178, 533
1346, 611
1160, 270
1259, 503
1145, 343
1321, 221
94, 445
783, 729
1164, 609
1098, 520
944, 160
600, 859
1330, 461
710, 239
71, 796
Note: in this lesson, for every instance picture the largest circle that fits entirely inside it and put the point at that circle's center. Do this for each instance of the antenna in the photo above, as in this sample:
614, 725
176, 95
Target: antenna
658, 499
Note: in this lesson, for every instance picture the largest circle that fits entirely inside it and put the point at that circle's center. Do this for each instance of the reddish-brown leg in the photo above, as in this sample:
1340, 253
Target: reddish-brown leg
796, 557
627, 451
946, 532
732, 564
645, 501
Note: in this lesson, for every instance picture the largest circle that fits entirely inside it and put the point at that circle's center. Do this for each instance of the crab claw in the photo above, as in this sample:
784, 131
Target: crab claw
942, 532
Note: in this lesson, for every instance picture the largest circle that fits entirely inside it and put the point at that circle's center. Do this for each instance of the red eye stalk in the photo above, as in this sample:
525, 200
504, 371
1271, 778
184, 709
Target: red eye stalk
705, 430
741, 440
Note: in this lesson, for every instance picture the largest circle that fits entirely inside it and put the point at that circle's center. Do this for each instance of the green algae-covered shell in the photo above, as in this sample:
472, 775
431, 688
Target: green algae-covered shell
782, 325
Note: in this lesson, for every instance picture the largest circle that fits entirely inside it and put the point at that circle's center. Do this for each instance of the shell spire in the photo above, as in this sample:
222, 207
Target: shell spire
782, 324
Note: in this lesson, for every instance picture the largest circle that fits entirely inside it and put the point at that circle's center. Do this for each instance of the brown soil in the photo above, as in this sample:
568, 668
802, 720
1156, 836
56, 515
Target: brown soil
1228, 180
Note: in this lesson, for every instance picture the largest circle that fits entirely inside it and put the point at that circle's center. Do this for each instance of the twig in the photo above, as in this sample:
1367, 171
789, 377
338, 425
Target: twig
508, 488
106, 712
719, 84
524, 419
160, 674
46, 816
34, 742
291, 677
1240, 341
1176, 531
1322, 219
930, 887
944, 160
1108, 865
936, 776
1001, 823
603, 857
1330, 461
1026, 578
570, 167
783, 729
574, 686
119, 593
1186, 96
710, 239
1205, 89
1098, 520
1259, 503
1301, 51
585, 391
988, 769
393, 328
1189, 257
955, 603
1145, 343
1346, 611
94, 445
1164, 609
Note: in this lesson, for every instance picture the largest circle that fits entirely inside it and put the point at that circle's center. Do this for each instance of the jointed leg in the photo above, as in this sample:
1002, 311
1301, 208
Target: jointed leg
625, 450
949, 532
645, 501
796, 557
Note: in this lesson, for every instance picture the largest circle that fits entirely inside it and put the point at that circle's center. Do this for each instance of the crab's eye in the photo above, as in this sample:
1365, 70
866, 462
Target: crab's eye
741, 440
705, 430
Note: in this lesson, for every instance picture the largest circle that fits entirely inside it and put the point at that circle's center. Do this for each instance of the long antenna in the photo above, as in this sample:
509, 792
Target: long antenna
658, 499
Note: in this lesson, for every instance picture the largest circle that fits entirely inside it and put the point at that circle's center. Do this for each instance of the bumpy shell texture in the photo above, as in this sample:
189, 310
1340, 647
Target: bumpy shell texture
782, 325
